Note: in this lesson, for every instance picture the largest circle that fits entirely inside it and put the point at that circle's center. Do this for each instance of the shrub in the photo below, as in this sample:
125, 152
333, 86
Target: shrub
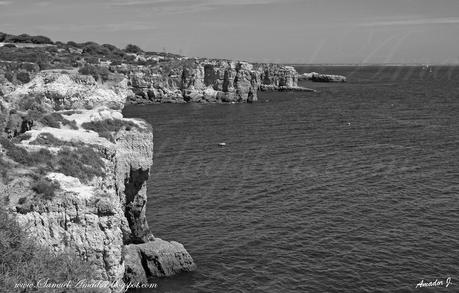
3, 36
16, 153
94, 49
92, 60
110, 47
43, 156
21, 137
133, 49
47, 139
22, 156
41, 40
33, 55
45, 188
106, 128
55, 120
22, 200
72, 44
31, 103
83, 163
34, 115
9, 76
23, 77
99, 73
4, 167
25, 38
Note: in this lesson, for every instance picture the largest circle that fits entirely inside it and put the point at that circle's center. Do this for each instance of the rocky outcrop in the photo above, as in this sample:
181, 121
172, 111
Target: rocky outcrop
157, 258
267, 88
318, 77
99, 217
279, 76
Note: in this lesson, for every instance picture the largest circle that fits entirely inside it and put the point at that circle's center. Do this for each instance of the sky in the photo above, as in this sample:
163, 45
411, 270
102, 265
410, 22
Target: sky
283, 31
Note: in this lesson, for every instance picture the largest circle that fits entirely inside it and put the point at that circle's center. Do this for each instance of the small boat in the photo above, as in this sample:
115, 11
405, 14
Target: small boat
222, 144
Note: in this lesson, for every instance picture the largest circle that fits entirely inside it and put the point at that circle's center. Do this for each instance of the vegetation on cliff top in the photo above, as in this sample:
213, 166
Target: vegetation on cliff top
60, 55
73, 159
108, 127
55, 120
24, 38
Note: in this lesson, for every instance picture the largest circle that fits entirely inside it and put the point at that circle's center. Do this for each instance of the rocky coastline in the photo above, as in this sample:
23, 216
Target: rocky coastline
210, 81
74, 170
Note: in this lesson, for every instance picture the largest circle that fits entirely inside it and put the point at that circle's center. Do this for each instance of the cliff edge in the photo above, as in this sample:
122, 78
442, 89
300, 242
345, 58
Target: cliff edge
74, 174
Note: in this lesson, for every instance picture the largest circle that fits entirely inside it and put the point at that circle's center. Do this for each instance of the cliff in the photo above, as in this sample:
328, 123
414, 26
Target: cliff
152, 77
207, 81
74, 174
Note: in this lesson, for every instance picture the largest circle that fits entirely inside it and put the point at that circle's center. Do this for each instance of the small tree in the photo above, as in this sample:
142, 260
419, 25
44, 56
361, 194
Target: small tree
133, 49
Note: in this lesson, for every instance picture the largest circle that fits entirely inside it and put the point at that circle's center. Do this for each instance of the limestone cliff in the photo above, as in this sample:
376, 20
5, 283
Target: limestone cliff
187, 80
207, 81
77, 171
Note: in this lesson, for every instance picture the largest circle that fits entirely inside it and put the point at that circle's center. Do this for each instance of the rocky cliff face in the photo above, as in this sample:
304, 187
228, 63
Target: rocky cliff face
182, 80
83, 188
207, 81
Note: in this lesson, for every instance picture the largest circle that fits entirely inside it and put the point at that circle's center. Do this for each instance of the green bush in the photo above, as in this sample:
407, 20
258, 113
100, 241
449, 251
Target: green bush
133, 49
45, 188
34, 55
31, 103
21, 137
52, 120
4, 167
106, 128
74, 159
34, 115
25, 38
22, 156
55, 120
99, 73
23, 77
9, 76
83, 163
16, 153
47, 139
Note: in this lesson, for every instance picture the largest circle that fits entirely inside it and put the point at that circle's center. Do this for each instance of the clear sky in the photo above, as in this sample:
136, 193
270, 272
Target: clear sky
293, 31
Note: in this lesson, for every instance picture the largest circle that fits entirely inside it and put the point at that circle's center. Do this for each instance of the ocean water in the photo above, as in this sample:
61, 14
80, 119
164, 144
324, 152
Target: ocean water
351, 189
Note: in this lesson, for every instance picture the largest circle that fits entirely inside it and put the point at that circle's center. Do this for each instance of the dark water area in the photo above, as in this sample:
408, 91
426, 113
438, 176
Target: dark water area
351, 189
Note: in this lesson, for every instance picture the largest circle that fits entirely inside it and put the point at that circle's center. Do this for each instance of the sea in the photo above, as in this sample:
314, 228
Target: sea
354, 188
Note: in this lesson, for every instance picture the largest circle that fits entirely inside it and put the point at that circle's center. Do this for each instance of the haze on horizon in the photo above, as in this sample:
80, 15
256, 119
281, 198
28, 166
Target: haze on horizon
284, 31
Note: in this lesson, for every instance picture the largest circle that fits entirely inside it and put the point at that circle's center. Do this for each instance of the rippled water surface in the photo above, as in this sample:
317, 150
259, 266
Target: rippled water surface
352, 189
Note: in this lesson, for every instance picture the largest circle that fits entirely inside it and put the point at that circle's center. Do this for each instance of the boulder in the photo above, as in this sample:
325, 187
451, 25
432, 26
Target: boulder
156, 258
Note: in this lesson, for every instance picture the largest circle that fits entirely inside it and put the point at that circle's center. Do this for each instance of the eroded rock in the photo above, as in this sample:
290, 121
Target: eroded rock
157, 258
